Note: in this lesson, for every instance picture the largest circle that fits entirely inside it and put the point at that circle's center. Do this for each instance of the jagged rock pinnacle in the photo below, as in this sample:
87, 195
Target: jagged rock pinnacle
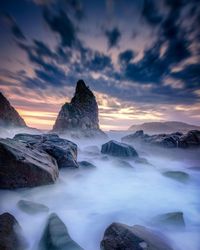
81, 113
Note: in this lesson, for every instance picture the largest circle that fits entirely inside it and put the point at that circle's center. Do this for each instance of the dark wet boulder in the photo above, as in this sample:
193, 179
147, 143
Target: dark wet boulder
177, 175
170, 220
64, 151
86, 164
11, 237
23, 166
118, 149
56, 236
122, 237
31, 207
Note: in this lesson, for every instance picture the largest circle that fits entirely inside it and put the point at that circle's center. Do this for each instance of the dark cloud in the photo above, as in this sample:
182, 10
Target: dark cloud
98, 62
171, 37
77, 7
42, 49
15, 29
62, 25
150, 12
190, 75
113, 37
125, 56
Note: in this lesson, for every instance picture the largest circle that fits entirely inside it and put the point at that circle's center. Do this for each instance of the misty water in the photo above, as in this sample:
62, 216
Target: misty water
88, 200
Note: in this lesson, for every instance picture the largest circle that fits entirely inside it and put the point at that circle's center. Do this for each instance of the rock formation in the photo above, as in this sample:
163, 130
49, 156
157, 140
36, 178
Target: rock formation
174, 140
8, 115
81, 114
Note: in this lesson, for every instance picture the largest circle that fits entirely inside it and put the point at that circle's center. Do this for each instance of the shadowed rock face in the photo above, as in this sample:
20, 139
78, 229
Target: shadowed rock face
8, 115
10, 233
119, 236
81, 114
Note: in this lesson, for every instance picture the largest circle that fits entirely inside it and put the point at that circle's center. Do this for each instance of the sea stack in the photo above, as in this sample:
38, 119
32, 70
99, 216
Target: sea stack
9, 117
80, 116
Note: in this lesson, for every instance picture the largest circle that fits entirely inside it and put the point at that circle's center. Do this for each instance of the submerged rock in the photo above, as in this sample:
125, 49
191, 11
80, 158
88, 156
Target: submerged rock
122, 237
92, 150
118, 149
31, 207
9, 117
137, 135
22, 166
86, 164
11, 237
173, 219
177, 175
64, 151
56, 236
80, 116
122, 163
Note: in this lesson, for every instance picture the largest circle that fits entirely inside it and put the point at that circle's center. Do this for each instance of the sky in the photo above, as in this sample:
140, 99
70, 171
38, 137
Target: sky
141, 58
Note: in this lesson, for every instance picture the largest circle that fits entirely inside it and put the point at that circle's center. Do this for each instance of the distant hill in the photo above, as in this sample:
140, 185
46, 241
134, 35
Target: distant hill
164, 127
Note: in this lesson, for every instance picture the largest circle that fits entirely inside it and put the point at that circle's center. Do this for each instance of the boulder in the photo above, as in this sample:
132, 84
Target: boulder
177, 175
9, 117
23, 166
80, 116
56, 236
31, 207
122, 237
11, 237
118, 149
64, 151
169, 220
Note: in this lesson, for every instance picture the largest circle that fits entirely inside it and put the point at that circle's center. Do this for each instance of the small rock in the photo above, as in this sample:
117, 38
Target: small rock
56, 236
86, 164
122, 163
31, 207
174, 219
177, 175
